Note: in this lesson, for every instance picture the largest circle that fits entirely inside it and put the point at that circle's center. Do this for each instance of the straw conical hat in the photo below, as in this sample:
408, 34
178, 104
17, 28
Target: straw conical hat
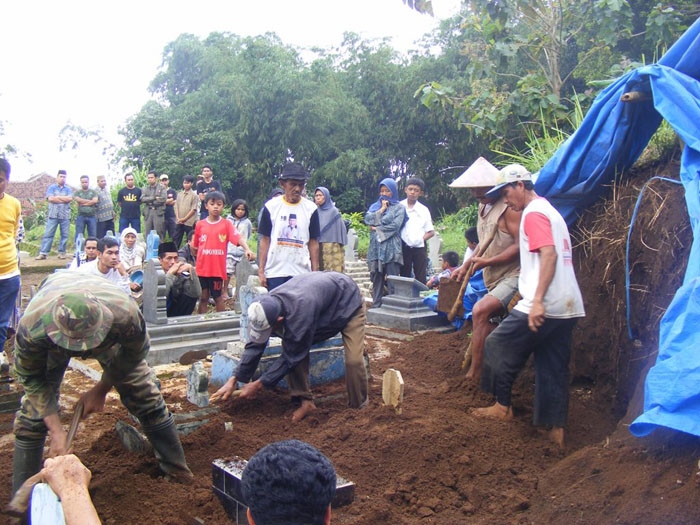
481, 174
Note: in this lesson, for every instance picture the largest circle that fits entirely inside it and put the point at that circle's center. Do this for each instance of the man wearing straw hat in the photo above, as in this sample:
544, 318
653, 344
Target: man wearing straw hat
89, 317
499, 260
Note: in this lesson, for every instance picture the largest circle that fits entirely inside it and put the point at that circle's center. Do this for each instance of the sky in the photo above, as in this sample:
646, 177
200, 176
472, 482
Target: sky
90, 63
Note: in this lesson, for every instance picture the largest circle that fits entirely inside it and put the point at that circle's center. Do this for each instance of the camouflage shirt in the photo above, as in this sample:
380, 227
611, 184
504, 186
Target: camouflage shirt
124, 346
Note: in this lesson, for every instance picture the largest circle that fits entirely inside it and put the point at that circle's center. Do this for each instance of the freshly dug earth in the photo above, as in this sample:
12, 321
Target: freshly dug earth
435, 463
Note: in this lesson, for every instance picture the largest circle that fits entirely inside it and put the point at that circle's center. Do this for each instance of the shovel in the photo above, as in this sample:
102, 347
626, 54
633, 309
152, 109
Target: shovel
20, 501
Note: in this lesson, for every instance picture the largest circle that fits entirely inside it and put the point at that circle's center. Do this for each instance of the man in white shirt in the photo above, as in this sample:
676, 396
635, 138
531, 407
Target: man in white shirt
90, 254
416, 231
543, 320
107, 264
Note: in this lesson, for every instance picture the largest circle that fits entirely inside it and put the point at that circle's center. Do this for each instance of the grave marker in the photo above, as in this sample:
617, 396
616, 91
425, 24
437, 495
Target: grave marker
392, 389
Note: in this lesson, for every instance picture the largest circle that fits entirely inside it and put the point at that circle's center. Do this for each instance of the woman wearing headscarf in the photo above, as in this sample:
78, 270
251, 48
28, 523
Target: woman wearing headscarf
239, 218
334, 235
131, 253
385, 218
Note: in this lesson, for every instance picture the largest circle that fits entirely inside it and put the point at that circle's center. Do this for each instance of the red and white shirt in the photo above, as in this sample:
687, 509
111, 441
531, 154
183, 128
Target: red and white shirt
542, 225
211, 241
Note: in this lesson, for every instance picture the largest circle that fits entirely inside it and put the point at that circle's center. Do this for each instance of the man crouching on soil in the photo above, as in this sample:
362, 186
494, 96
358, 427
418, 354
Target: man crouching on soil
543, 319
86, 317
307, 309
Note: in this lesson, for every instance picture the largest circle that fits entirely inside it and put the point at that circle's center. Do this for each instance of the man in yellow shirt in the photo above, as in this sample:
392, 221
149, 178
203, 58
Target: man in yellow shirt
10, 212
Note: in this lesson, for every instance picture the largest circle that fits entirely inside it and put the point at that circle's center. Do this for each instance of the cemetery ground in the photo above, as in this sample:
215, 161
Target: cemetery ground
435, 462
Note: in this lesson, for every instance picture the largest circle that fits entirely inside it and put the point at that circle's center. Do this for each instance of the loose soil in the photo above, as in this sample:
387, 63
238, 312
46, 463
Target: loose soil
436, 463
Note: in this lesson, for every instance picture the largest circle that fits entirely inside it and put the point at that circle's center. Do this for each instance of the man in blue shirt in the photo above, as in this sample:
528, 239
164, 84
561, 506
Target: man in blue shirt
58, 214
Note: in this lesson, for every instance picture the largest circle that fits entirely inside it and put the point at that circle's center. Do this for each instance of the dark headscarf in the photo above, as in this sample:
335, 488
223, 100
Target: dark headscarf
235, 205
394, 199
331, 222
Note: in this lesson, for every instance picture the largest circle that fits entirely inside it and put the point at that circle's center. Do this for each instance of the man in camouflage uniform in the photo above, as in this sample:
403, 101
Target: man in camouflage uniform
86, 318
153, 198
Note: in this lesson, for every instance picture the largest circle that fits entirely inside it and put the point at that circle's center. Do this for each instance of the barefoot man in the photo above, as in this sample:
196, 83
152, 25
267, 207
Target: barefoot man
500, 261
306, 310
544, 318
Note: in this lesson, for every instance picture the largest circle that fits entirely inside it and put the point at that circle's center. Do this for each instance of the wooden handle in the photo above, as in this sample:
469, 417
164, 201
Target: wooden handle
20, 501
481, 249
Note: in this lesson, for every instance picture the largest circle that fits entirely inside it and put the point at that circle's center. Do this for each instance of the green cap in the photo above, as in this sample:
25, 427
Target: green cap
79, 321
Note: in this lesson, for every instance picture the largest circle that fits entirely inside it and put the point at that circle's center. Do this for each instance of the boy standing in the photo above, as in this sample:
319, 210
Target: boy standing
185, 210
417, 229
211, 238
170, 199
204, 186
129, 199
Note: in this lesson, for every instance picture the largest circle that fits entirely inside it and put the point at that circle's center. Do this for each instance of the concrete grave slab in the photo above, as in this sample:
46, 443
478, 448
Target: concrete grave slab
403, 309
226, 483
326, 361
197, 384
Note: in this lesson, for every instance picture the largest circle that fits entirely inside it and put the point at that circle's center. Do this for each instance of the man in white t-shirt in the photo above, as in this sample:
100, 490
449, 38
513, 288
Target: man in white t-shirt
107, 265
288, 231
543, 320
416, 231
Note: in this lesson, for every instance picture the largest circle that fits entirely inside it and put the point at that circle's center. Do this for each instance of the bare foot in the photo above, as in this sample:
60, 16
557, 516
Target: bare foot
495, 411
474, 374
307, 406
557, 436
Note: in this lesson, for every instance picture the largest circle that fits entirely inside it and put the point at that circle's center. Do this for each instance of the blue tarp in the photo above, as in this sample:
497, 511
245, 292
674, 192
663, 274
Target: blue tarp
609, 140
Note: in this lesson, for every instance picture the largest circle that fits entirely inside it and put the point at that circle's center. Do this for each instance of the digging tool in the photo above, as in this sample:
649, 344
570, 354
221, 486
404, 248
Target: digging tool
20, 501
481, 249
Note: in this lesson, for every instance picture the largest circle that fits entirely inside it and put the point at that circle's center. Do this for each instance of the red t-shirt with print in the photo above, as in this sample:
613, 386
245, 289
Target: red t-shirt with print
211, 241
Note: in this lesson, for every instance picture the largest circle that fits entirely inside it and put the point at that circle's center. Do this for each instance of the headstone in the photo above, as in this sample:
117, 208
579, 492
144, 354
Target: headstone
154, 298
434, 249
403, 309
392, 389
351, 246
244, 269
247, 294
197, 384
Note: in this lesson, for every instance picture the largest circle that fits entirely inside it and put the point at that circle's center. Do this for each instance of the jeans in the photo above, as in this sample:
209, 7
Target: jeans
105, 226
125, 222
86, 220
9, 288
50, 231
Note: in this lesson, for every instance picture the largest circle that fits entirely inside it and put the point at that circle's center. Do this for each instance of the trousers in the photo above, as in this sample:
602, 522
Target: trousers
506, 351
355, 372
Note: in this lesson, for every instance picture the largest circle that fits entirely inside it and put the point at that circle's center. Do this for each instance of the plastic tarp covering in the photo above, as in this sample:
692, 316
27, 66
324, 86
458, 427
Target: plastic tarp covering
609, 140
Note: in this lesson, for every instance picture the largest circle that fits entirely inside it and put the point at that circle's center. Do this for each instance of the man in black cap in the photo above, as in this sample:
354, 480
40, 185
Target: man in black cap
288, 231
306, 310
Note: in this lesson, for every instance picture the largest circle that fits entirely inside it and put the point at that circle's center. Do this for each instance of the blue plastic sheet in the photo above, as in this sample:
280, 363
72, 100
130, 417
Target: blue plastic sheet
609, 140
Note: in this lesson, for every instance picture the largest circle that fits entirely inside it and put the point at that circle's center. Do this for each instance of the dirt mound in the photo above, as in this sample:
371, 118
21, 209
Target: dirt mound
603, 354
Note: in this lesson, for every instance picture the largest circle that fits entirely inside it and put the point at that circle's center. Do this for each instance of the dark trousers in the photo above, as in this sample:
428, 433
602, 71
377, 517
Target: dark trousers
274, 282
378, 278
105, 226
181, 230
125, 222
170, 227
416, 259
506, 351
183, 305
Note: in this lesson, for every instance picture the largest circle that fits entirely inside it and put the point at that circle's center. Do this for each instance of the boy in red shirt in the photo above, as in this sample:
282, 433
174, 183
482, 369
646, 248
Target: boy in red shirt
211, 236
